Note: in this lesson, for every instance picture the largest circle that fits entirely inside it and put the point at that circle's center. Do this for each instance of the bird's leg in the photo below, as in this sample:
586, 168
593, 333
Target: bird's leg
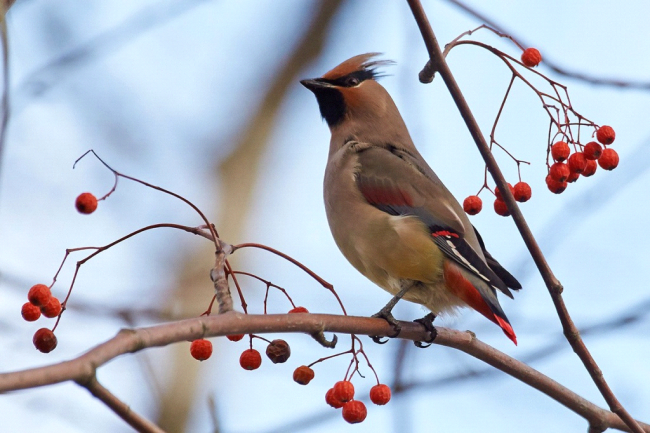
427, 322
386, 312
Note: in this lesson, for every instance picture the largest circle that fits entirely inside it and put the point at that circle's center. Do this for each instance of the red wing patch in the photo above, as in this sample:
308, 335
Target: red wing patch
444, 233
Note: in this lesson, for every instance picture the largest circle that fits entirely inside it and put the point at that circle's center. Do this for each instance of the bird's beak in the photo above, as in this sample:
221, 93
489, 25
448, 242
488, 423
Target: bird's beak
315, 84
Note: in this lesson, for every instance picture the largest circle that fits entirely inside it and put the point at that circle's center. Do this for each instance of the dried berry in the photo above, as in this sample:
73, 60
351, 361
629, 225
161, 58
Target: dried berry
472, 205
605, 134
554, 186
44, 340
531, 57
30, 312
235, 337
559, 172
250, 359
39, 295
298, 310
577, 162
86, 203
52, 309
593, 150
201, 349
380, 394
590, 169
332, 400
498, 194
354, 411
344, 390
609, 159
501, 208
278, 351
303, 375
560, 151
522, 192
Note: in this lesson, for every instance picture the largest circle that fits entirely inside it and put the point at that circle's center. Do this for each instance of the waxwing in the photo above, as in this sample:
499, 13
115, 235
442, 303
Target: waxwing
390, 215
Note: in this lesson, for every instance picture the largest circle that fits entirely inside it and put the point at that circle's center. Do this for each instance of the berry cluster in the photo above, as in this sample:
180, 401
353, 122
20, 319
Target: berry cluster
41, 301
521, 191
341, 395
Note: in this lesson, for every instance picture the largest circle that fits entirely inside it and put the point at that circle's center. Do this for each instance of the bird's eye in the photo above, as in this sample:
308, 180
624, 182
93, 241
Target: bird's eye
352, 81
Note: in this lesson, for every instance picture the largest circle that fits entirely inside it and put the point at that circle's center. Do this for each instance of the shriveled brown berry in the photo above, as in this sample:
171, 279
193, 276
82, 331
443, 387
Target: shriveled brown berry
250, 359
30, 312
577, 162
592, 150
573, 177
498, 194
590, 169
53, 308
380, 394
44, 340
39, 295
278, 351
332, 400
522, 192
560, 151
354, 411
559, 172
298, 310
201, 349
501, 208
303, 375
606, 134
609, 159
554, 186
86, 203
472, 205
235, 337
344, 390
531, 57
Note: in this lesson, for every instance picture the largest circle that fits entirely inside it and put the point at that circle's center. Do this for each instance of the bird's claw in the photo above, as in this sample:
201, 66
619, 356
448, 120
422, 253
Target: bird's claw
427, 322
387, 316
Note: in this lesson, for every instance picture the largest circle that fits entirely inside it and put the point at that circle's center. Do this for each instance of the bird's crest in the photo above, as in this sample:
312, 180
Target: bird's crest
360, 63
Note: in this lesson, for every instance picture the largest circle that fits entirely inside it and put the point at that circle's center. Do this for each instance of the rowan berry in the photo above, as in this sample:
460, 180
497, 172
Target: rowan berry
39, 295
531, 57
235, 337
573, 177
593, 150
30, 312
86, 203
303, 375
380, 394
201, 349
590, 169
522, 192
354, 411
344, 390
501, 208
52, 309
559, 172
250, 359
498, 194
298, 310
44, 340
577, 162
332, 400
278, 351
606, 134
609, 159
554, 186
560, 151
472, 205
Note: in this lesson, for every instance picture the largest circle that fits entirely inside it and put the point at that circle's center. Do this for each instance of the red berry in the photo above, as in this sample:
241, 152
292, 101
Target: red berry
554, 186
303, 375
298, 310
250, 359
559, 172
522, 192
609, 159
52, 309
501, 208
497, 193
577, 162
593, 150
39, 295
86, 203
235, 337
278, 351
332, 400
560, 151
201, 349
605, 134
44, 340
472, 205
354, 411
344, 390
573, 177
380, 394
30, 312
531, 57
590, 169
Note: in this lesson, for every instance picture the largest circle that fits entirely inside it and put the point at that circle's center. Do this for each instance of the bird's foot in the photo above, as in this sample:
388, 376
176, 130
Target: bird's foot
385, 313
427, 322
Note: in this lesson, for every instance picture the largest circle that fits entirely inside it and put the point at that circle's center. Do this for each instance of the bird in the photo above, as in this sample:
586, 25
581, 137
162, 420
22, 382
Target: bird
390, 215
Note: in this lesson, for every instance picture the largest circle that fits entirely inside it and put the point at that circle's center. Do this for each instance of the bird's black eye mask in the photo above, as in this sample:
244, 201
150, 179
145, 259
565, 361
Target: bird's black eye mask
352, 79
